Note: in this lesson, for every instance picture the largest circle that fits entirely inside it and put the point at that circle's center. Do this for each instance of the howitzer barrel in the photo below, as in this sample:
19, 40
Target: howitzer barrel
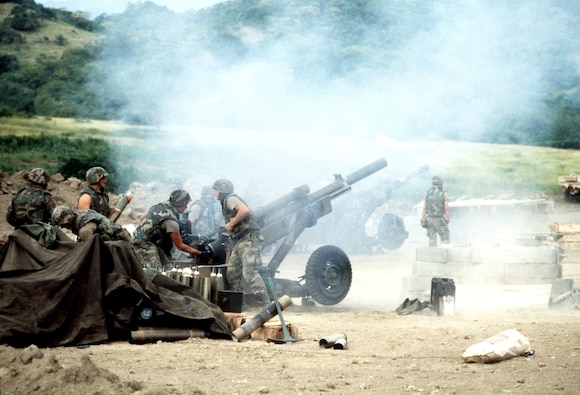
297, 193
366, 171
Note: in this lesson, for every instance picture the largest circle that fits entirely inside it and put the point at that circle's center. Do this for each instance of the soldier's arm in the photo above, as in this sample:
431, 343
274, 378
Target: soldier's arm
84, 201
180, 245
447, 211
242, 212
87, 231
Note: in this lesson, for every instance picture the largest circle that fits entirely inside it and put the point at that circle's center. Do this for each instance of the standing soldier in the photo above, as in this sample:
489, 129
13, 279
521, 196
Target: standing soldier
246, 245
435, 215
86, 223
32, 203
204, 215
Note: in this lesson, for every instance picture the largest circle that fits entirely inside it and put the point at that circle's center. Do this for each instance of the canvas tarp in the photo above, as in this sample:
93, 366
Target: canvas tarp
91, 292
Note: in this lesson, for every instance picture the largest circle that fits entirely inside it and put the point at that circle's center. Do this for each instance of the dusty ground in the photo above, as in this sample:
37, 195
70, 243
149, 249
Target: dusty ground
386, 353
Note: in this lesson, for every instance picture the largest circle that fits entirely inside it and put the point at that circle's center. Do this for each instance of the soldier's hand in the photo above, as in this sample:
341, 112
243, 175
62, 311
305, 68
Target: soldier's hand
205, 257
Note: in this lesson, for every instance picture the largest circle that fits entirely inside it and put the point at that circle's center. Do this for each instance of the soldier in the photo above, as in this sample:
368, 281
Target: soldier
94, 195
204, 215
246, 245
159, 232
435, 215
32, 203
86, 223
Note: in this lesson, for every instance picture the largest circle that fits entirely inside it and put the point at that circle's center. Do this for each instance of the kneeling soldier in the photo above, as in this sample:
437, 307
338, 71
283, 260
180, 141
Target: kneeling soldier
86, 223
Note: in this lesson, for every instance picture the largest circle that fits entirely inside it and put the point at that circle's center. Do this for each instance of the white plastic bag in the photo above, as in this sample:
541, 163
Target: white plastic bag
505, 345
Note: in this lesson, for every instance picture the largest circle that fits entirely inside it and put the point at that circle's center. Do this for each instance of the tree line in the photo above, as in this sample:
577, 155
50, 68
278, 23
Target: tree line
78, 83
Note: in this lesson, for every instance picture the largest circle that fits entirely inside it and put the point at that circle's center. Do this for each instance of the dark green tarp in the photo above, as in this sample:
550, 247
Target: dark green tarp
91, 292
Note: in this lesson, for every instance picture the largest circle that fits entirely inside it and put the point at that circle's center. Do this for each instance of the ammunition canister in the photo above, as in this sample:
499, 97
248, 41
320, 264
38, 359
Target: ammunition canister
196, 280
330, 341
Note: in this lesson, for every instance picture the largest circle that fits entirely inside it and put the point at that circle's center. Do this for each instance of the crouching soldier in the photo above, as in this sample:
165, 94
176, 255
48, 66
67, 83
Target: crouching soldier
86, 223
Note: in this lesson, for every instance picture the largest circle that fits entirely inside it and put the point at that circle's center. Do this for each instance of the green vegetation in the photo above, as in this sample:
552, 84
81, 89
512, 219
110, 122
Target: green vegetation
473, 169
56, 63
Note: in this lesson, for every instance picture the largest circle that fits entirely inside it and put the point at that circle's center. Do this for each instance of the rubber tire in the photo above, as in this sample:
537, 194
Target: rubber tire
392, 233
328, 275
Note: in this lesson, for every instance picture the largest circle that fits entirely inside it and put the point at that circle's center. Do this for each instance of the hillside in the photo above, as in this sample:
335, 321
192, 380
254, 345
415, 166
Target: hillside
51, 39
406, 70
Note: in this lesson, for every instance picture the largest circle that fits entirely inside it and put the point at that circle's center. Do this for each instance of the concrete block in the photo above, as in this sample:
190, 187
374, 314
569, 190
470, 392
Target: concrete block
533, 271
459, 254
417, 283
479, 272
434, 269
515, 254
431, 254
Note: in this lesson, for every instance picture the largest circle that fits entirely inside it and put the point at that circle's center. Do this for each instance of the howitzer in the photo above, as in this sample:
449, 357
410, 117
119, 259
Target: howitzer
367, 223
328, 273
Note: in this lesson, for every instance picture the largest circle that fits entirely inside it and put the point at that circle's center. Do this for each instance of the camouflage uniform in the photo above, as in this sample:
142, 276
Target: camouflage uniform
435, 199
99, 200
29, 205
205, 216
245, 256
152, 241
107, 229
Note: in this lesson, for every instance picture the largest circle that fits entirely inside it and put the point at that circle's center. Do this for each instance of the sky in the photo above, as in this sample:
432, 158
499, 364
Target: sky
96, 8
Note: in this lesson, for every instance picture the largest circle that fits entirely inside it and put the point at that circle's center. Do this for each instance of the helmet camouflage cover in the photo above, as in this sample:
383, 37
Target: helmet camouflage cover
61, 215
223, 186
437, 180
94, 174
179, 198
38, 176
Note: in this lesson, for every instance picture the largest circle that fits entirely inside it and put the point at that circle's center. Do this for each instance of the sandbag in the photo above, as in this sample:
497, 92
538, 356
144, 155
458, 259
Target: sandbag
505, 345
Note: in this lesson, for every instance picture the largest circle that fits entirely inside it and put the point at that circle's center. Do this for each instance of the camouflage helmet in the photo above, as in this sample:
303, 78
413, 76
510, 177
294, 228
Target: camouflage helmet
223, 186
437, 180
61, 215
179, 198
38, 176
94, 174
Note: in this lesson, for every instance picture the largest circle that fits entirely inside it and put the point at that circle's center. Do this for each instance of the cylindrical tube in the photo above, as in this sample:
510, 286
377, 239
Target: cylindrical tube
196, 280
216, 286
205, 288
340, 344
186, 274
329, 341
259, 319
166, 335
120, 206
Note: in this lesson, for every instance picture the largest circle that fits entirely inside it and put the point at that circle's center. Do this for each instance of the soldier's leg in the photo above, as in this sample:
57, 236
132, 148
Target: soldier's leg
234, 273
445, 239
252, 260
431, 232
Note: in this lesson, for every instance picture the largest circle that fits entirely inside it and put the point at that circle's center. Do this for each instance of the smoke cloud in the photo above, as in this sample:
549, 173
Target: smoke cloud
274, 118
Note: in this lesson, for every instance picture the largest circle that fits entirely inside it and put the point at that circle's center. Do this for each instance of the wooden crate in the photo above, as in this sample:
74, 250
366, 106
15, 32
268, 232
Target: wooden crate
273, 330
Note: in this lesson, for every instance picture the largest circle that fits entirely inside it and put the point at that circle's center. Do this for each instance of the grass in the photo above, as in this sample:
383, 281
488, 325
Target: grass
469, 169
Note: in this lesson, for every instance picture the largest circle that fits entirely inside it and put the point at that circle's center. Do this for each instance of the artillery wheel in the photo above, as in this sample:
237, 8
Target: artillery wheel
328, 275
392, 233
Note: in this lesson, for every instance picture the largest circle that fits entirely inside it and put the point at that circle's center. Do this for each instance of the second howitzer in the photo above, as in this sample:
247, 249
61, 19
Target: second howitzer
328, 273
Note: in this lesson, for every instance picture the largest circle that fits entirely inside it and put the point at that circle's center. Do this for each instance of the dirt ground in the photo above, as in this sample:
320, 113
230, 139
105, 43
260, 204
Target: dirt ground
386, 353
